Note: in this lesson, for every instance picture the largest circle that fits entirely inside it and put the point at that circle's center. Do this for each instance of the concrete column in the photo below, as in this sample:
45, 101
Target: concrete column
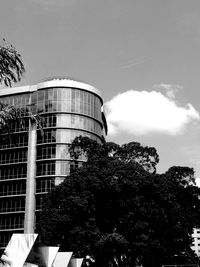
29, 222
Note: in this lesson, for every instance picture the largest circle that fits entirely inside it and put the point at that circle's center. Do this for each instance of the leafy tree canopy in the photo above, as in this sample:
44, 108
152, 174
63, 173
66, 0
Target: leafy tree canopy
117, 210
11, 71
146, 156
11, 64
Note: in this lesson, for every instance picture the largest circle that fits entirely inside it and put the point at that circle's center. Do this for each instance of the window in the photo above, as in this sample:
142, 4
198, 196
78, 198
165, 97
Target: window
14, 140
13, 188
73, 101
39, 202
40, 96
11, 156
13, 172
49, 136
14, 222
4, 239
44, 185
12, 205
46, 152
45, 168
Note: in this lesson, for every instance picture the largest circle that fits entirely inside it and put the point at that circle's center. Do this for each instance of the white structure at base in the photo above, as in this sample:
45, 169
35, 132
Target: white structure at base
62, 259
22, 251
17, 250
196, 241
75, 262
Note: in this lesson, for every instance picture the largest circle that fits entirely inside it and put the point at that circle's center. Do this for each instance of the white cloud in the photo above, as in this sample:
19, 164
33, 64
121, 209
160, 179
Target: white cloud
170, 89
143, 112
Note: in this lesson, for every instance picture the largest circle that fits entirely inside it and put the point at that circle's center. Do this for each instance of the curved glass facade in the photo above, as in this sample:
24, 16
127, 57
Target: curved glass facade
71, 100
68, 112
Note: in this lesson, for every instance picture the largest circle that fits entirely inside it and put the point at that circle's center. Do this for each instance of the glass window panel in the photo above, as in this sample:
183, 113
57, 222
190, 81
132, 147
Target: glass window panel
50, 94
64, 94
40, 107
50, 106
45, 168
77, 101
59, 94
46, 95
54, 105
73, 101
81, 102
59, 105
33, 98
55, 94
40, 95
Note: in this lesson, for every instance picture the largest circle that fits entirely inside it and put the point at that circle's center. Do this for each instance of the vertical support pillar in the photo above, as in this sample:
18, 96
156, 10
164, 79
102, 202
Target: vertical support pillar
29, 222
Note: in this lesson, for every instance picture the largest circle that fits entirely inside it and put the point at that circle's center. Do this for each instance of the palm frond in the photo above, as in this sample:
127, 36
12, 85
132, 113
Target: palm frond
10, 114
11, 65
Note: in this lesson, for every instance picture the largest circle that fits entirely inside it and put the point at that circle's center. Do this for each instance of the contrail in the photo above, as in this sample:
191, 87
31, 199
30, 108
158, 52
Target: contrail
132, 64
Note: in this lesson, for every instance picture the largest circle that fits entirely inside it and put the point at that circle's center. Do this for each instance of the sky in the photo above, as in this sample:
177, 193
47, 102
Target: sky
143, 55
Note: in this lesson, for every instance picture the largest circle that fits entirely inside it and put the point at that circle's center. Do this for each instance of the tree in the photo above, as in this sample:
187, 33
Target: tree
8, 114
111, 250
118, 213
11, 71
11, 64
181, 175
146, 156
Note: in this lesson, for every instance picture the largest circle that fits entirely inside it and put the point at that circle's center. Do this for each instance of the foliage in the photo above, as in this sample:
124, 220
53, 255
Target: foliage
146, 156
11, 64
114, 248
181, 175
11, 71
10, 115
120, 214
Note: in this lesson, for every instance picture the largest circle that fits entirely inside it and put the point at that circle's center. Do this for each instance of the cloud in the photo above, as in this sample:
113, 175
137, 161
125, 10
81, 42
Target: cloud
49, 4
143, 112
132, 63
170, 89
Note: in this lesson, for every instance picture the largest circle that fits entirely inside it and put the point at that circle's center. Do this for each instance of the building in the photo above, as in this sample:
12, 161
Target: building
31, 163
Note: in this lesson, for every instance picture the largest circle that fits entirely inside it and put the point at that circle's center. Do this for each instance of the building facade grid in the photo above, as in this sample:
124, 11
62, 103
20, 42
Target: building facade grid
69, 109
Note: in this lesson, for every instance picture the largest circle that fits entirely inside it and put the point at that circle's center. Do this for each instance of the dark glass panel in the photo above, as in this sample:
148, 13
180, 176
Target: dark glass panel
55, 94
34, 98
45, 168
41, 95
73, 99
